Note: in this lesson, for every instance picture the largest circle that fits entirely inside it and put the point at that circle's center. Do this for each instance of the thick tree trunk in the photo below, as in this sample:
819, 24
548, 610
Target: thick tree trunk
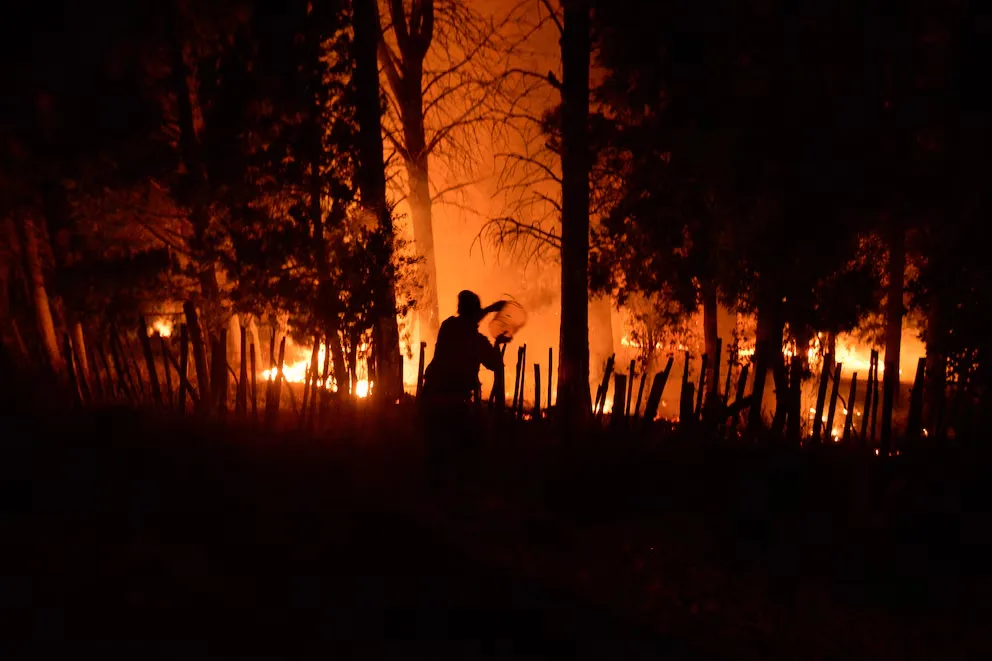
39, 294
419, 197
710, 333
199, 215
573, 365
767, 356
372, 185
893, 332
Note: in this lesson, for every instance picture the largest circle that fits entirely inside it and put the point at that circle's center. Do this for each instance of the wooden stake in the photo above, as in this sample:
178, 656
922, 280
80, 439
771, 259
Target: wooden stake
657, 390
866, 409
715, 386
537, 391
604, 387
120, 364
874, 409
516, 381
254, 386
314, 366
740, 401
84, 385
731, 363
702, 385
523, 380
164, 346
640, 394
834, 392
101, 392
183, 370
241, 398
275, 390
146, 349
630, 390
850, 408
550, 377
619, 394
421, 367
821, 401
199, 357
71, 369
222, 382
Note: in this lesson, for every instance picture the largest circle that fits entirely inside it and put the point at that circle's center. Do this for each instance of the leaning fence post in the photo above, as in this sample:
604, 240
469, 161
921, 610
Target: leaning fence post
254, 386
850, 408
619, 395
71, 369
657, 390
420, 368
640, 394
834, 393
821, 400
168, 373
183, 366
199, 357
537, 391
523, 380
146, 349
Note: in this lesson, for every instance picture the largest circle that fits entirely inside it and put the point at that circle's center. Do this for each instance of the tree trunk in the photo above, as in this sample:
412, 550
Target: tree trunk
199, 215
372, 185
419, 197
39, 295
710, 333
573, 364
936, 370
601, 336
767, 355
893, 332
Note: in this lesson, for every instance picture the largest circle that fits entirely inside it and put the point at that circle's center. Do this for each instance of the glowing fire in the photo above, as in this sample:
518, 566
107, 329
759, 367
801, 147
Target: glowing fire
162, 326
296, 372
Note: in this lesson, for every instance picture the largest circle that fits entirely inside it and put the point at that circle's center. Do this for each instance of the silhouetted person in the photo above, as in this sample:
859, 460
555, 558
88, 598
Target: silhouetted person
451, 382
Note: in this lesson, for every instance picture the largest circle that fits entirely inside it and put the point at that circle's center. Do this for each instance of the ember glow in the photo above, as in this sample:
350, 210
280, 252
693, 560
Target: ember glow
162, 326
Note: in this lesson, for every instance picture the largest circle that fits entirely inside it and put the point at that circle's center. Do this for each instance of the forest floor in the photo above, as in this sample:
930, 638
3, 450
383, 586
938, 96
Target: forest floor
126, 533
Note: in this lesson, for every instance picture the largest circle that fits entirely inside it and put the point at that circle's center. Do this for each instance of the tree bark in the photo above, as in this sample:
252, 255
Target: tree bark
39, 295
404, 75
893, 331
936, 369
372, 185
190, 152
767, 355
710, 333
573, 364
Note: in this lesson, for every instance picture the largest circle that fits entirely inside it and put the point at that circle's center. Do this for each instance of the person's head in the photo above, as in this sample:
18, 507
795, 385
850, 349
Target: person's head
469, 305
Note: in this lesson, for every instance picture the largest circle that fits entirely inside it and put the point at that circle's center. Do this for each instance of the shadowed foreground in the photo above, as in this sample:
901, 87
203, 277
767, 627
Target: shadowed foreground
154, 538
172, 546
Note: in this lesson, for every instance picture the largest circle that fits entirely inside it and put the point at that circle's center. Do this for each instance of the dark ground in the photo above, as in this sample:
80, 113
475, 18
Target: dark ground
144, 538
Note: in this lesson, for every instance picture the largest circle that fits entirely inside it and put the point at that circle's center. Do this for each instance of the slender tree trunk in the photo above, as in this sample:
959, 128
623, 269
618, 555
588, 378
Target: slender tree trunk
893, 332
573, 364
710, 333
372, 185
936, 368
39, 294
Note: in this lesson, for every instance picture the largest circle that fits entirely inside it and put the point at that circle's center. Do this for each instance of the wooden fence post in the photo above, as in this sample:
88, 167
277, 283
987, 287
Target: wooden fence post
523, 380
164, 346
630, 389
275, 389
254, 386
516, 381
550, 378
604, 387
850, 408
834, 393
914, 424
821, 401
183, 366
241, 398
146, 349
793, 430
702, 385
619, 395
866, 409
657, 390
640, 394
71, 369
199, 357
421, 367
537, 391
